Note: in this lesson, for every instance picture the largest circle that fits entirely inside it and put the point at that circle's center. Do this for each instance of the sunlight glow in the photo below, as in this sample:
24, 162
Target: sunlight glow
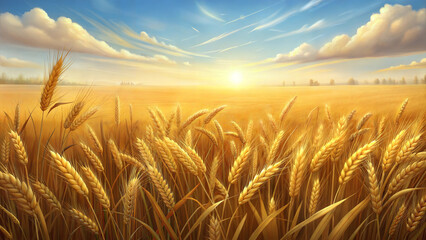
236, 78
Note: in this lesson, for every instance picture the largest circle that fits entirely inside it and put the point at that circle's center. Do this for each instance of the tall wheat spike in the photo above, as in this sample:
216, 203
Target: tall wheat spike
188, 138
214, 229
169, 124
213, 113
92, 157
381, 128
407, 149
249, 132
313, 200
239, 132
213, 170
69, 173
238, 165
272, 123
328, 114
196, 159
363, 120
355, 161
254, 185
274, 150
178, 116
209, 134
96, 187
157, 123
19, 192
323, 154
5, 150
166, 155
417, 214
401, 111
95, 140
47, 194
192, 118
17, 118
10, 215
132, 161
287, 108
145, 152
392, 150
297, 173
84, 220
117, 110
161, 186
83, 118
116, 156
397, 219
52, 81
5, 233
350, 115
130, 198
181, 156
405, 174
375, 193
72, 115
18, 145
219, 131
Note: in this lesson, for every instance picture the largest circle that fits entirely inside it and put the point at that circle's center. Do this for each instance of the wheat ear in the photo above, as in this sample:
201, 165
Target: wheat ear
254, 185
47, 194
157, 122
239, 132
407, 149
214, 229
181, 156
69, 173
297, 173
52, 81
404, 175
17, 118
322, 155
6, 234
219, 131
19, 192
5, 150
95, 140
397, 219
363, 120
96, 162
83, 118
213, 113
417, 214
392, 150
96, 187
84, 220
375, 193
161, 186
72, 115
18, 145
117, 111
130, 198
10, 215
196, 159
355, 161
192, 118
166, 155
287, 108
209, 134
313, 200
115, 154
132, 161
401, 111
239, 164
145, 152
274, 150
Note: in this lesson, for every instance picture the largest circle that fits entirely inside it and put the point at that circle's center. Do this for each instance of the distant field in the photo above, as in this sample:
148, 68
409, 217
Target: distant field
243, 103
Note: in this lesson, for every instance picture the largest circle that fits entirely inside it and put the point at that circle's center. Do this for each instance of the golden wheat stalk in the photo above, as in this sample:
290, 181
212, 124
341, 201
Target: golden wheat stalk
392, 150
145, 152
5, 150
404, 175
297, 173
249, 132
178, 116
181, 156
18, 145
84, 220
287, 108
417, 214
256, 183
96, 187
69, 173
239, 132
95, 140
166, 155
213, 113
83, 118
274, 150
272, 206
188, 138
381, 128
322, 155
169, 124
93, 158
239, 164
313, 200
130, 198
328, 114
17, 118
192, 118
318, 136
161, 186
397, 219
233, 148
157, 123
196, 159
19, 192
47, 194
132, 161
363, 120
219, 131
72, 115
350, 115
254, 162
401, 111
221, 188
6, 234
355, 161
149, 135
115, 154
160, 115
209, 134
375, 193
272, 123
117, 110
213, 170
358, 133
214, 229
407, 149
52, 81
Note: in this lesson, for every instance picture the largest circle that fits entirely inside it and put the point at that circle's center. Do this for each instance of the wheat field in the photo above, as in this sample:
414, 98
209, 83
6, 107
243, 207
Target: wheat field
210, 163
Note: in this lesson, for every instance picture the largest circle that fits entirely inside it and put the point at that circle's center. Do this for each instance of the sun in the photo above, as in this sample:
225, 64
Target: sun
236, 78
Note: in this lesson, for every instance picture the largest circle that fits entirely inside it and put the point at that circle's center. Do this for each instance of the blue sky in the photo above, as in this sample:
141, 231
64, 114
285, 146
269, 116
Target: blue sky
206, 42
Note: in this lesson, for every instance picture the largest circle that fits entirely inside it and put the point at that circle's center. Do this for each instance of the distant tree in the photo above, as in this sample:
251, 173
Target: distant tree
351, 81
403, 82
384, 81
294, 83
424, 80
416, 80
377, 81
311, 82
332, 82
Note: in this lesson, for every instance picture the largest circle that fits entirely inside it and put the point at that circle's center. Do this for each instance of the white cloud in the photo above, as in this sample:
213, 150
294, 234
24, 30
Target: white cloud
209, 14
310, 4
412, 65
187, 64
36, 29
16, 63
305, 28
223, 35
395, 30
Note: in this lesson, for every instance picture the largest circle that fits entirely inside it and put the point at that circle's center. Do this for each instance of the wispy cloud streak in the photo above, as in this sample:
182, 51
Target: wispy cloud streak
209, 14
221, 36
305, 28
230, 48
